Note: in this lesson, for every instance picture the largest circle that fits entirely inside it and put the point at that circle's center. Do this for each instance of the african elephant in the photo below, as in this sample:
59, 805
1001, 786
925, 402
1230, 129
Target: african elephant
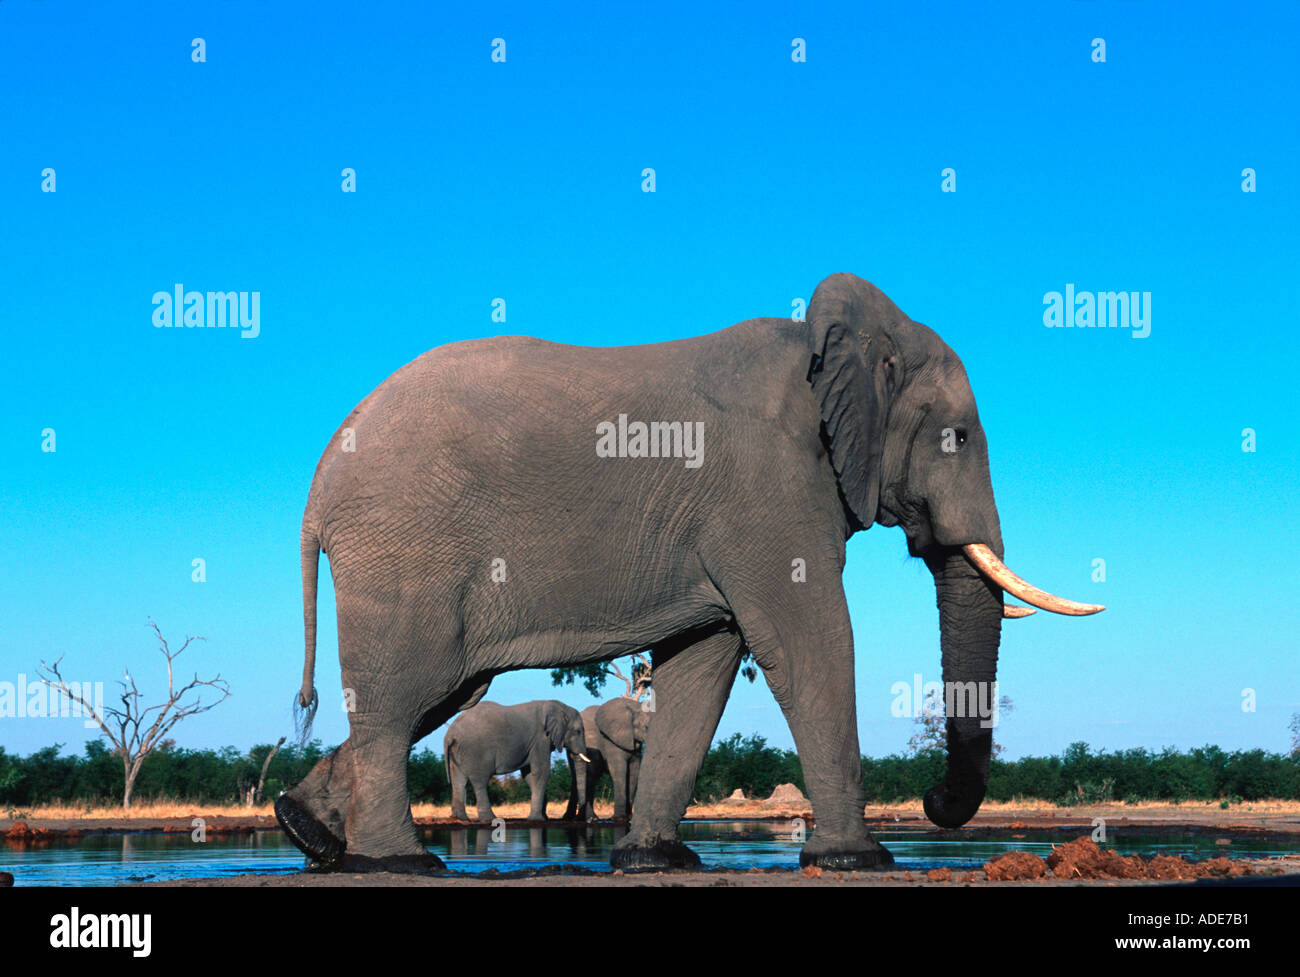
615, 732
492, 739
512, 503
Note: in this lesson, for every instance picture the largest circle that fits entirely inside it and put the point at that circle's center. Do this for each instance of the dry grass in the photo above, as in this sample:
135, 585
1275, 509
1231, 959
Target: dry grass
156, 811
756, 808
519, 810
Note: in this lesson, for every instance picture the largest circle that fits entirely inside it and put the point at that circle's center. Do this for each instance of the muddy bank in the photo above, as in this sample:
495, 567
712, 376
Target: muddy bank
1033, 823
49, 829
1267, 872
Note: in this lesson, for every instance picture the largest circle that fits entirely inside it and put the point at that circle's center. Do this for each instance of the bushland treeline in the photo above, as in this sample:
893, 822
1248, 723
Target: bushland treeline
1078, 776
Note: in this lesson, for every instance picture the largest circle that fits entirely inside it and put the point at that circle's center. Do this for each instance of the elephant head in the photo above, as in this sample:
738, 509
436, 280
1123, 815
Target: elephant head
564, 728
624, 723
908, 450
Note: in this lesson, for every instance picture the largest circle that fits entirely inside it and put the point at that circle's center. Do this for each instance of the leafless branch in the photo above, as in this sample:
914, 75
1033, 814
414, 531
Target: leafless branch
639, 683
136, 734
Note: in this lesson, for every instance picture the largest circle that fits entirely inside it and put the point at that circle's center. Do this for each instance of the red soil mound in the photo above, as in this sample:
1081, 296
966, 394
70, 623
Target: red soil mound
1083, 859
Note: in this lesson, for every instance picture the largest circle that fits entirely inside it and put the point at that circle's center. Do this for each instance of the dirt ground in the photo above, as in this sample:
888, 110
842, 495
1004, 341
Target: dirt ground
1289, 875
1261, 819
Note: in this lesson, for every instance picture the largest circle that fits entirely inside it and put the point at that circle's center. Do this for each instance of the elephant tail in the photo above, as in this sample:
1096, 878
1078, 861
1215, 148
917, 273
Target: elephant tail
304, 706
447, 748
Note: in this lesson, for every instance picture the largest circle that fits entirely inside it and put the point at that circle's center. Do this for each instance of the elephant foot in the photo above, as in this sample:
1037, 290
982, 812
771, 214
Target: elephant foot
840, 856
306, 831
662, 856
426, 864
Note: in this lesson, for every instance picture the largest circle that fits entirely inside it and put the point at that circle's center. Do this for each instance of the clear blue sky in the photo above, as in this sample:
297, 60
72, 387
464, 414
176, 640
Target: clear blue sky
522, 180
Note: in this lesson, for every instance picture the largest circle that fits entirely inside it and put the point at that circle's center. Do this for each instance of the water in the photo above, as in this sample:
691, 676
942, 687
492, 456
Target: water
119, 859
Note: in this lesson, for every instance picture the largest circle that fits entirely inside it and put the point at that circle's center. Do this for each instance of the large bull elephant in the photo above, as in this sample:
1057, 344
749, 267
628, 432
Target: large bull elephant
512, 503
615, 732
492, 739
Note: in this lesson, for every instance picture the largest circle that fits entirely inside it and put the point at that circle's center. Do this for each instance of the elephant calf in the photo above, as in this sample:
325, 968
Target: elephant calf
492, 739
615, 732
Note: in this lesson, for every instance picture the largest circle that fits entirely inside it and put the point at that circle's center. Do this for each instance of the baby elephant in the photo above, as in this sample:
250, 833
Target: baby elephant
492, 739
614, 733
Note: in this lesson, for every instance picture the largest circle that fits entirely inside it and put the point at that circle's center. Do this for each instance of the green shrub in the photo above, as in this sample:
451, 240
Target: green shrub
1078, 776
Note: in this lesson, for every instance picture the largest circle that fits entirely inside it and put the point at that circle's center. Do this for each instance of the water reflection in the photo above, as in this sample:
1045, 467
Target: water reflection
116, 859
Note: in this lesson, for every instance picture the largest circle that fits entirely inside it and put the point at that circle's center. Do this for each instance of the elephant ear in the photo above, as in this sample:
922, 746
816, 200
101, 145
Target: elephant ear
555, 724
852, 371
615, 720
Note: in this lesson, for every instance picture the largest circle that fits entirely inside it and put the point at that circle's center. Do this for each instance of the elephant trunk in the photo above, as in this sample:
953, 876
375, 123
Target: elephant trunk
970, 626
578, 766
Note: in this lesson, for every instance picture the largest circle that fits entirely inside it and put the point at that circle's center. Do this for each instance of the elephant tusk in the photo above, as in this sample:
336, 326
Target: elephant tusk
583, 758
982, 558
1015, 610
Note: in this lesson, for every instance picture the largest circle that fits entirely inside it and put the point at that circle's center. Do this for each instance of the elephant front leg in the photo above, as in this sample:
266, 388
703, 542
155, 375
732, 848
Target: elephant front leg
633, 776
618, 771
692, 682
576, 769
807, 661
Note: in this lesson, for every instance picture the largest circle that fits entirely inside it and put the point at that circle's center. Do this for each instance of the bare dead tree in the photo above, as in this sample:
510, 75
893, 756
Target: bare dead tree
132, 732
639, 683
254, 794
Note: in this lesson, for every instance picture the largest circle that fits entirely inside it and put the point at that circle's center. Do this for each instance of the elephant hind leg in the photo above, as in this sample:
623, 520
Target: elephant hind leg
389, 717
466, 696
458, 779
381, 833
538, 776
313, 813
482, 802
692, 681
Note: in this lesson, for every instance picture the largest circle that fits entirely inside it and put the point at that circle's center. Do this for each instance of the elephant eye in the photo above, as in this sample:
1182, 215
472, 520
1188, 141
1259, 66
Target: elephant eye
960, 434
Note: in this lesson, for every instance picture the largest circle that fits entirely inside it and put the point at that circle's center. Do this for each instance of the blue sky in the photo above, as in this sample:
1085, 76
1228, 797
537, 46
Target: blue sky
522, 180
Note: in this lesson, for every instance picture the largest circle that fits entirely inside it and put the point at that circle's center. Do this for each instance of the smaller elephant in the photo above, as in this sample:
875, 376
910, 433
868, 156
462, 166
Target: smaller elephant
614, 732
492, 739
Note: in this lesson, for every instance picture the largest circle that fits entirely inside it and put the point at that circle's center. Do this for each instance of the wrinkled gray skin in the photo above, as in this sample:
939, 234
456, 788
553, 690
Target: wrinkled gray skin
492, 739
484, 451
615, 732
